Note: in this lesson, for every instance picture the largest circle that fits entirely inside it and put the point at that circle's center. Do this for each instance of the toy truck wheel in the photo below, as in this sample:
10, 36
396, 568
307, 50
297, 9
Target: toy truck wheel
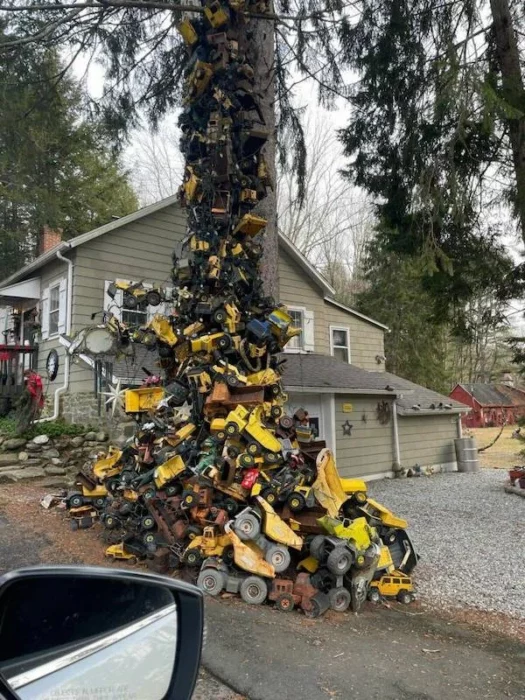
193, 531
228, 554
153, 298
360, 497
404, 597
296, 502
253, 449
286, 422
232, 429
279, 557
99, 502
172, 490
221, 435
231, 380
225, 342
339, 599
389, 536
190, 499
317, 547
246, 460
148, 522
219, 316
373, 595
149, 493
192, 557
211, 581
277, 412
129, 301
271, 457
76, 501
230, 506
247, 526
253, 590
339, 561
270, 496
148, 538
285, 602
110, 522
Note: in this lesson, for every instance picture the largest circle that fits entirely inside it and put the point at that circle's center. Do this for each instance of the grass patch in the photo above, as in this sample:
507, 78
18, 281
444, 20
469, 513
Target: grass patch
53, 429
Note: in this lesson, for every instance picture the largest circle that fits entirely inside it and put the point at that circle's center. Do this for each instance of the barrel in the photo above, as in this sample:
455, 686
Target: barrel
467, 454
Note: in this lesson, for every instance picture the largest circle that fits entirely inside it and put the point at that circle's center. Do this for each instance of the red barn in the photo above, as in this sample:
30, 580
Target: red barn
491, 404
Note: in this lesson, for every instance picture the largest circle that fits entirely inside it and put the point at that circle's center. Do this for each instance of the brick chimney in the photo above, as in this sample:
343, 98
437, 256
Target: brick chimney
49, 238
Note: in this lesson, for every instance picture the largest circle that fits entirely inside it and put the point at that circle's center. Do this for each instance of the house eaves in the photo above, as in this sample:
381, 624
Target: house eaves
333, 302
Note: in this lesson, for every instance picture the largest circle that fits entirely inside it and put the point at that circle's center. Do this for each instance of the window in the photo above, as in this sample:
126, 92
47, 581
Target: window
296, 343
54, 309
137, 317
340, 341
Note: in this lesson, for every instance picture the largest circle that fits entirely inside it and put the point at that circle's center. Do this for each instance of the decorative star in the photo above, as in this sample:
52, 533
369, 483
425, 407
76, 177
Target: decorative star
347, 428
115, 397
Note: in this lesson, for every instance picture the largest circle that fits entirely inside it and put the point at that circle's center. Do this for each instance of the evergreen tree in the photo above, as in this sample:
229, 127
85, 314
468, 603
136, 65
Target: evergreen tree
56, 167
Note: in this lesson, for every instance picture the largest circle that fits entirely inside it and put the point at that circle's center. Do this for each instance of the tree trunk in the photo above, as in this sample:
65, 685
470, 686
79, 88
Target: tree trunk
264, 38
514, 94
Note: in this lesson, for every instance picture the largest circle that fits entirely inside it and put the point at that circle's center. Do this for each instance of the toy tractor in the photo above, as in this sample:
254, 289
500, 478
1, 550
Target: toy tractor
302, 593
133, 295
209, 544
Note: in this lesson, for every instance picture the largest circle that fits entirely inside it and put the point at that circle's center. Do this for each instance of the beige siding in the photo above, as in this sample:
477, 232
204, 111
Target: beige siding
139, 251
296, 289
427, 440
50, 273
368, 450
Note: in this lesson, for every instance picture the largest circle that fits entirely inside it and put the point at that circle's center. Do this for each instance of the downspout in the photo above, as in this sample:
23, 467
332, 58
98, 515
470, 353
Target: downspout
460, 426
67, 361
396, 466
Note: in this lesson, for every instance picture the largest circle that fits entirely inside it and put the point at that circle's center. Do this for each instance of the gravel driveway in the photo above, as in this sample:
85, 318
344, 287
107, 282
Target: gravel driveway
470, 535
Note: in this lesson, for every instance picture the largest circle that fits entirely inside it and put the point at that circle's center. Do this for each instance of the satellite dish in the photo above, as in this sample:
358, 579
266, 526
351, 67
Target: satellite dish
99, 341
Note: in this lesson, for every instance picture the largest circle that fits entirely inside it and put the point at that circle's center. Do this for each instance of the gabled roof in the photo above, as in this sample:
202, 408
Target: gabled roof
495, 394
415, 399
284, 243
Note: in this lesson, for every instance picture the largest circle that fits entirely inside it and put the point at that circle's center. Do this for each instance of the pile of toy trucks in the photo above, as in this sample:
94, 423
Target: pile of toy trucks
218, 480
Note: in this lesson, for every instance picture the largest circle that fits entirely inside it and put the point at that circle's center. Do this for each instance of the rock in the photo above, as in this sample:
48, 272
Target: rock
91, 436
77, 441
14, 443
53, 482
48, 454
7, 459
32, 447
23, 456
10, 467
57, 462
54, 471
10, 477
41, 439
102, 436
2, 440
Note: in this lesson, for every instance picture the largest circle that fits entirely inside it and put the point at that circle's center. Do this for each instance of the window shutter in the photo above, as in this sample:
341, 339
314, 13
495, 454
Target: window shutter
112, 305
62, 306
45, 313
308, 331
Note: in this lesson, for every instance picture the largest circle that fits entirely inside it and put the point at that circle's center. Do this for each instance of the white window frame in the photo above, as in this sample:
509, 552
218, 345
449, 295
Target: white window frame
345, 329
115, 307
61, 310
300, 349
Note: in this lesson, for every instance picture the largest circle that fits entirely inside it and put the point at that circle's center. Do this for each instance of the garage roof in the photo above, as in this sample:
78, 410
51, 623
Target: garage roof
495, 394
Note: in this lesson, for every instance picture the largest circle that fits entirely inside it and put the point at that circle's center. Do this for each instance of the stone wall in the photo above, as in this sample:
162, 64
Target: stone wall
58, 459
82, 409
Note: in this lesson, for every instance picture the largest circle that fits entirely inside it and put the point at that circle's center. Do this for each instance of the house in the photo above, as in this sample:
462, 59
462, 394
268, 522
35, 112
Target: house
372, 420
491, 404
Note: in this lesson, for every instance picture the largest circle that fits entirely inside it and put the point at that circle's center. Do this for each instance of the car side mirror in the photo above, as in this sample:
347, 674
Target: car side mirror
81, 632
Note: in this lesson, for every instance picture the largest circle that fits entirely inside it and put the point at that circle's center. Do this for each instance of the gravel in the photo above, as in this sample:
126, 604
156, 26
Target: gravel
470, 535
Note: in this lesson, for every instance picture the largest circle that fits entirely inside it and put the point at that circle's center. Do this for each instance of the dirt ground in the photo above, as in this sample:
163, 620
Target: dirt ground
504, 453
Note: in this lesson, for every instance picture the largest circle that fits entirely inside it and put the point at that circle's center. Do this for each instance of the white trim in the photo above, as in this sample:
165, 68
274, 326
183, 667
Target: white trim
356, 313
46, 669
292, 349
55, 285
346, 329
